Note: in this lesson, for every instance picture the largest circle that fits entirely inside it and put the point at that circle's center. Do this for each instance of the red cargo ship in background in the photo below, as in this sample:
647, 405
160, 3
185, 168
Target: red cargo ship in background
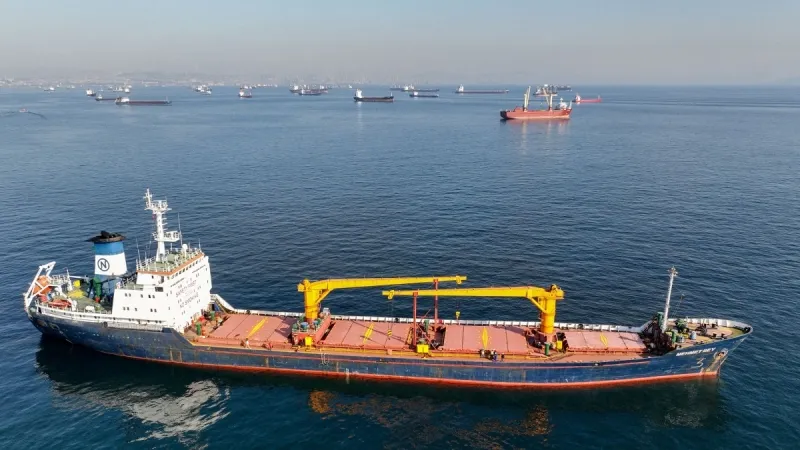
523, 113
578, 99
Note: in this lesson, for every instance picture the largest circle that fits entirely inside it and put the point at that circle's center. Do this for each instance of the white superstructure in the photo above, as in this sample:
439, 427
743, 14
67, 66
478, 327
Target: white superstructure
171, 288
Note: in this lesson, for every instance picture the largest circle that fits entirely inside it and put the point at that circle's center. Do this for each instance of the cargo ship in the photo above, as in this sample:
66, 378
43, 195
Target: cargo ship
164, 311
579, 99
426, 89
421, 94
461, 90
359, 98
545, 90
560, 112
309, 92
125, 101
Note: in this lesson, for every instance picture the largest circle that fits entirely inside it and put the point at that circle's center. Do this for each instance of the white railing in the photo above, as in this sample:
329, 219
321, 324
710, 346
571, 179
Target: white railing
96, 317
151, 264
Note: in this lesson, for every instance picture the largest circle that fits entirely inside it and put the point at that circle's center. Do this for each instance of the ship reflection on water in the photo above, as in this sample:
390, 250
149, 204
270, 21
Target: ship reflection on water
168, 404
186, 404
533, 132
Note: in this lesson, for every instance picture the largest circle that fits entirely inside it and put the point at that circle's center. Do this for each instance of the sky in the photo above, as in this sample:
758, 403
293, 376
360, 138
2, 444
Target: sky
468, 41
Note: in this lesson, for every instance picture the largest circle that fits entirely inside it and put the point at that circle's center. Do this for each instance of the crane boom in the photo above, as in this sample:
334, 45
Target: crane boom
543, 298
316, 291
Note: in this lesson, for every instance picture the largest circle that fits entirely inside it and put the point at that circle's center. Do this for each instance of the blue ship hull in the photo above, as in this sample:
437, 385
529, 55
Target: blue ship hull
169, 346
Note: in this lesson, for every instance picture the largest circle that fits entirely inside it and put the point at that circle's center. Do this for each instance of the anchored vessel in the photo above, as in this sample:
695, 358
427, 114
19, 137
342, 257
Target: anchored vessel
561, 111
579, 99
164, 311
461, 90
245, 93
90, 93
422, 94
128, 101
359, 97
310, 92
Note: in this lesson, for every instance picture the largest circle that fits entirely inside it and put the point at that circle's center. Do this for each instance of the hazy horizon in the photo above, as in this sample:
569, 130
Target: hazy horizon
513, 42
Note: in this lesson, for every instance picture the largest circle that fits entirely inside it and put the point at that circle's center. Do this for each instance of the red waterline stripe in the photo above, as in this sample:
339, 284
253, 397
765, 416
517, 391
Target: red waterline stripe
427, 380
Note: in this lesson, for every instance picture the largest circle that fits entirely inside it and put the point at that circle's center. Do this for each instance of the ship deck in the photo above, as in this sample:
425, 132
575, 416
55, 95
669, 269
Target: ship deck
79, 296
455, 341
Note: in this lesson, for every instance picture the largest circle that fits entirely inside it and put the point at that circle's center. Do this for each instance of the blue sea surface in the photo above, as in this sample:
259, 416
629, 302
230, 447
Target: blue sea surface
279, 188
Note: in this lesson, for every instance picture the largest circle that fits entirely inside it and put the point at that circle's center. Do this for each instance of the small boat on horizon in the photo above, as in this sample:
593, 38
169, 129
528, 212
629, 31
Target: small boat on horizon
461, 90
579, 99
245, 94
100, 98
128, 102
359, 98
561, 112
90, 93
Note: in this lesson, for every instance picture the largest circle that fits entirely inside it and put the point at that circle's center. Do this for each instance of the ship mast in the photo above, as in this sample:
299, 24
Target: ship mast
672, 274
161, 235
549, 94
526, 98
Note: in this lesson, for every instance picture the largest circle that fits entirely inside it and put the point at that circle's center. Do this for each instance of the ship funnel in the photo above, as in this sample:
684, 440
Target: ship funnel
109, 255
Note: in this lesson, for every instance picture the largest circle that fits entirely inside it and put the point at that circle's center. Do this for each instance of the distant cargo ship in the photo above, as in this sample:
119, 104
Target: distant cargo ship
359, 97
461, 90
579, 99
130, 314
310, 92
127, 101
561, 112
420, 94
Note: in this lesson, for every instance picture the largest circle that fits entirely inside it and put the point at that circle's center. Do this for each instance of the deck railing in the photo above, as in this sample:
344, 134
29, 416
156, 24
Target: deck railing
97, 317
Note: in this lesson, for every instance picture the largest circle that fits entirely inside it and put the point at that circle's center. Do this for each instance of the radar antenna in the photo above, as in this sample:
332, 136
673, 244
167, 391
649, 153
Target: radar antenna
161, 235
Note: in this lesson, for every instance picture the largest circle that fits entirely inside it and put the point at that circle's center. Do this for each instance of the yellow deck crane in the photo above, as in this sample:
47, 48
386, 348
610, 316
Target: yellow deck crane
543, 298
316, 291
